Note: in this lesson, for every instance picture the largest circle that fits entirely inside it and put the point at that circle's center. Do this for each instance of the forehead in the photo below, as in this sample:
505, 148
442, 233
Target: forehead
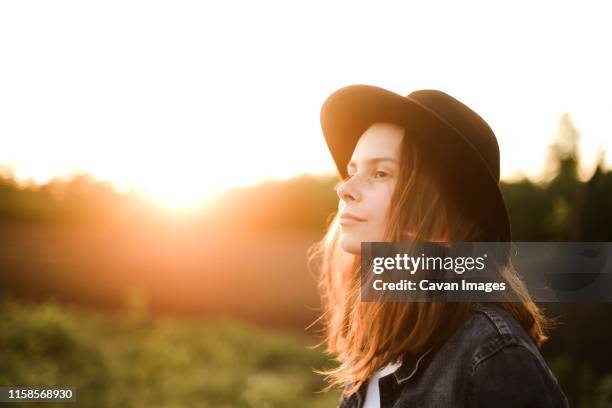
379, 140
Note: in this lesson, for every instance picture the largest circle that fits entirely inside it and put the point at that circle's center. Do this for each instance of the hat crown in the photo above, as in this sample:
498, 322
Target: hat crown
473, 128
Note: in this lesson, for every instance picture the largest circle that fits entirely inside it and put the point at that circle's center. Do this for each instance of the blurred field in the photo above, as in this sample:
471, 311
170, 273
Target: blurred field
261, 278
134, 360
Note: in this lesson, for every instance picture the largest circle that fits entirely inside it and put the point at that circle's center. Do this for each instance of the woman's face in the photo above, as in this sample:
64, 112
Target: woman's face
366, 194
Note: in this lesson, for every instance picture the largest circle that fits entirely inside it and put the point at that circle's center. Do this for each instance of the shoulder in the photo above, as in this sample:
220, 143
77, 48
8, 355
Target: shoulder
490, 329
504, 361
496, 329
486, 330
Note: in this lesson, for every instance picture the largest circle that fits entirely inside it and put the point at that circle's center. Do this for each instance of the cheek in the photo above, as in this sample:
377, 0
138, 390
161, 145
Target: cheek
384, 200
381, 205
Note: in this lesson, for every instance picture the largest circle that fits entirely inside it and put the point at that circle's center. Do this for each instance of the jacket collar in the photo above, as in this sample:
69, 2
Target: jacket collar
409, 367
406, 370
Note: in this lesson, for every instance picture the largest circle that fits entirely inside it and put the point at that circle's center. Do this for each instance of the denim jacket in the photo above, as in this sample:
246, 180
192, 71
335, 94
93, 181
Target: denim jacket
490, 361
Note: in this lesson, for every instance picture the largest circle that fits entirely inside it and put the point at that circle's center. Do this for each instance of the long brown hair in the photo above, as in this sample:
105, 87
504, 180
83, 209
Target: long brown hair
364, 336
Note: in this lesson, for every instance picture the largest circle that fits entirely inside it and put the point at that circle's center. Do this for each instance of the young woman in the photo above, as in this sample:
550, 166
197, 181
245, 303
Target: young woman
422, 168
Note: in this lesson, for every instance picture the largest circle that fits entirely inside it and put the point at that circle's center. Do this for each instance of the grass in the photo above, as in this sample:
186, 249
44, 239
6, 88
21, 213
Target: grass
134, 360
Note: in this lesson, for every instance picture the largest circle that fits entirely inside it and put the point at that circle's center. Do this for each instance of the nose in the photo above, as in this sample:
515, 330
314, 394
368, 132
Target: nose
347, 190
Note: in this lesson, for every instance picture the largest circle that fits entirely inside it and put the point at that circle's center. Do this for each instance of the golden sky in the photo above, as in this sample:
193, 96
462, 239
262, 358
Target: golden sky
181, 99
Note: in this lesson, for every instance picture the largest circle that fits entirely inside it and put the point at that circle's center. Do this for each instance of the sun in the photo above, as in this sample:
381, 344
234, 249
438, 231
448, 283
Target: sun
177, 197
175, 192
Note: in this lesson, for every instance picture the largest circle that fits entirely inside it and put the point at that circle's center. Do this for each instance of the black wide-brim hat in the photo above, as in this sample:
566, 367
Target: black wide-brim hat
463, 141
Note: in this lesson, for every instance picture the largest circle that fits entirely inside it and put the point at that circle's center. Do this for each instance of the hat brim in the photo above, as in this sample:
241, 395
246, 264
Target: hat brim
351, 110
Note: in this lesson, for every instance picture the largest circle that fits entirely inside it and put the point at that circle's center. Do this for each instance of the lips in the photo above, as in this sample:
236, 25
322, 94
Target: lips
350, 217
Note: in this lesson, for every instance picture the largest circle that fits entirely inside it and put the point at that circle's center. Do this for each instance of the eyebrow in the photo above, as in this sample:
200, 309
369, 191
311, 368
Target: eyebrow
374, 160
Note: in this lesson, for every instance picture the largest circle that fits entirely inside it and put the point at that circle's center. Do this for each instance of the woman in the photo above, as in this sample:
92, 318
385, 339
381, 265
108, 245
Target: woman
422, 168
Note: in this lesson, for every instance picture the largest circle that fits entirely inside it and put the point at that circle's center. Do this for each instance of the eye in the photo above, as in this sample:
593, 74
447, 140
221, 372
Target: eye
384, 173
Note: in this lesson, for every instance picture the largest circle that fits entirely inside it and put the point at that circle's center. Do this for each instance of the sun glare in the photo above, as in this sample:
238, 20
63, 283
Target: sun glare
177, 197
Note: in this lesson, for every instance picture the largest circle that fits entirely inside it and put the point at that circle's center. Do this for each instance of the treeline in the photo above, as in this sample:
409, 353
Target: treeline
298, 204
562, 209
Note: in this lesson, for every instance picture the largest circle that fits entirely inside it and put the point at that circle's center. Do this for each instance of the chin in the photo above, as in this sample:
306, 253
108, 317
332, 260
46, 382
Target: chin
350, 244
